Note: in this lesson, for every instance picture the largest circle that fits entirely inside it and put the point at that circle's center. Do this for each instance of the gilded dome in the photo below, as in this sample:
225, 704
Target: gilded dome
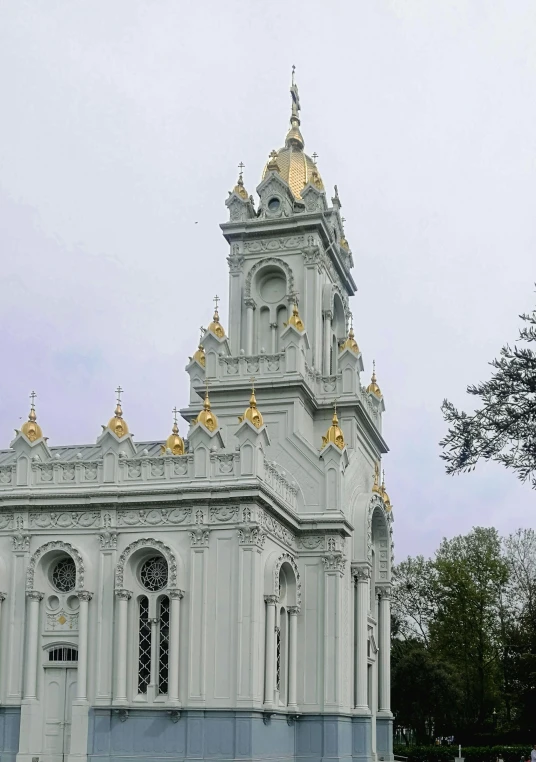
199, 355
334, 434
373, 387
31, 429
291, 162
385, 496
253, 414
174, 442
296, 320
206, 416
216, 327
117, 424
350, 343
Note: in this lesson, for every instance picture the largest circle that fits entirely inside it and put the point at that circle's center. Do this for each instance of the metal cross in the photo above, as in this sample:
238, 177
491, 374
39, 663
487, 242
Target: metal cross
315, 157
33, 395
241, 167
293, 70
252, 379
335, 405
119, 392
343, 220
175, 411
203, 330
216, 301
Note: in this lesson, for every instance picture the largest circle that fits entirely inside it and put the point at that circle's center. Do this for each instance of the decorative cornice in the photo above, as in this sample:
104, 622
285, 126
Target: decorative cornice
123, 595
34, 595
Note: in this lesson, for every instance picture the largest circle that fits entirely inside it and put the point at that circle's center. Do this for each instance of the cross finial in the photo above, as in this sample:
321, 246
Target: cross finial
252, 379
335, 405
216, 301
241, 168
315, 157
175, 413
293, 70
33, 395
343, 220
119, 392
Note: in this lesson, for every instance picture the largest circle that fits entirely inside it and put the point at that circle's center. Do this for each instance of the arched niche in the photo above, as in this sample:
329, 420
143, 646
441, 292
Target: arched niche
144, 546
56, 548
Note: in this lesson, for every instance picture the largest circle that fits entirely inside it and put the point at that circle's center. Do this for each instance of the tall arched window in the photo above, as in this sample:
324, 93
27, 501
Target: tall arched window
163, 645
144, 645
153, 628
282, 642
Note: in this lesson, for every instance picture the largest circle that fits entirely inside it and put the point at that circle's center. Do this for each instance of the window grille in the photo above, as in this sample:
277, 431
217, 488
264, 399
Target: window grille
63, 653
64, 575
144, 647
154, 573
277, 658
163, 653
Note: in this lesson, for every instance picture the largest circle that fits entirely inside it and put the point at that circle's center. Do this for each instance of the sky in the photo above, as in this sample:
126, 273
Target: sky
122, 124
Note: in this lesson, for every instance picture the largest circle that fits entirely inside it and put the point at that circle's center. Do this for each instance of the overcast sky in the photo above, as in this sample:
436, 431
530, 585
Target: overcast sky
122, 124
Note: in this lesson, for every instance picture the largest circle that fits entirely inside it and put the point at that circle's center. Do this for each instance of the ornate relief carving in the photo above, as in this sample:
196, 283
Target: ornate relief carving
224, 463
334, 562
223, 512
361, 572
274, 244
34, 595
273, 526
287, 558
147, 542
61, 621
252, 535
64, 519
235, 262
264, 246
3, 596
176, 594
384, 591
6, 474
6, 520
310, 541
21, 542
199, 536
108, 540
153, 516
180, 467
123, 595
56, 545
271, 600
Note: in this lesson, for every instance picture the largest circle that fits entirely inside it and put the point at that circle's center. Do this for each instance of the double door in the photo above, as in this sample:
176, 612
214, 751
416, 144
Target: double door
60, 692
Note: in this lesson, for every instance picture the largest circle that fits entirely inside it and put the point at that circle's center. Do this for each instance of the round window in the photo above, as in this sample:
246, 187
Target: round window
274, 204
154, 573
64, 575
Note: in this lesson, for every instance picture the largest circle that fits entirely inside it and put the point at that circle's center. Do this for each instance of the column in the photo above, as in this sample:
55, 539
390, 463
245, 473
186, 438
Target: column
361, 576
34, 599
2, 598
269, 649
328, 315
81, 686
174, 642
293, 612
152, 688
123, 597
273, 327
384, 665
250, 306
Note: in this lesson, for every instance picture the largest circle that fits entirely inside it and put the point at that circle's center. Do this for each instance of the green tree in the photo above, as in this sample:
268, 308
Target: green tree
503, 428
413, 602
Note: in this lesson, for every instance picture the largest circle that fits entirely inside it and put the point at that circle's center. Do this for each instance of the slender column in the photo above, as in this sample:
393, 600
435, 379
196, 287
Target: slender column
81, 684
269, 679
154, 655
273, 326
384, 682
34, 599
361, 576
174, 642
123, 597
250, 306
292, 654
2, 598
327, 341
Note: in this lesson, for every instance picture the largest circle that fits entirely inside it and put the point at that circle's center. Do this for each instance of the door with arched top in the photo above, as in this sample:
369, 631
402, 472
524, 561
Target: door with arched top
59, 694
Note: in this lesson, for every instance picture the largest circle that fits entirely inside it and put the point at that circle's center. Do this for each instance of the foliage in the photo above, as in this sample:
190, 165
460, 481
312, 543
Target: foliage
464, 645
470, 753
503, 429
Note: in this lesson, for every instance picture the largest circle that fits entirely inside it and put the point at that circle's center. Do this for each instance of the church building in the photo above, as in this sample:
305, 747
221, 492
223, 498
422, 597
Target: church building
222, 593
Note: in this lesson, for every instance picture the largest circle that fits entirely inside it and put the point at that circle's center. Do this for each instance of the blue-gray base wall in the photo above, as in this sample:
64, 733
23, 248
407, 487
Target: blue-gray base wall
9, 732
384, 738
227, 736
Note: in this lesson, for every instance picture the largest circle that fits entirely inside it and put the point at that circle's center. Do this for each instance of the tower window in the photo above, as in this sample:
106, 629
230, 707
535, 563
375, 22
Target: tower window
274, 204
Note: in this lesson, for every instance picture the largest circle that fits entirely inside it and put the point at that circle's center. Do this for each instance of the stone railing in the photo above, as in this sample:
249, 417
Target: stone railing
251, 365
277, 481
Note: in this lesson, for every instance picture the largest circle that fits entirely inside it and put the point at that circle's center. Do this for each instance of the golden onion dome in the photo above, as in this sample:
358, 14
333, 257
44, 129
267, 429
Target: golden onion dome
294, 166
253, 414
216, 327
30, 428
206, 416
174, 442
296, 320
117, 424
199, 355
239, 188
350, 343
373, 387
334, 434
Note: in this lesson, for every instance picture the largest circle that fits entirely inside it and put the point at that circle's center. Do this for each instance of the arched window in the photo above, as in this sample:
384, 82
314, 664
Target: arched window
144, 645
153, 628
163, 645
282, 640
63, 654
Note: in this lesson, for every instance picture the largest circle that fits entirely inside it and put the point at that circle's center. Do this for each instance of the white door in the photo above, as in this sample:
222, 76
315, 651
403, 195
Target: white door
60, 690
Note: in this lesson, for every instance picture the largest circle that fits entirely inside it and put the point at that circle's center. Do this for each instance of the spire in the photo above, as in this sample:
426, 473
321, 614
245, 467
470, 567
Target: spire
252, 413
117, 424
373, 387
295, 318
206, 416
31, 429
383, 493
334, 433
350, 342
239, 187
294, 136
216, 327
174, 442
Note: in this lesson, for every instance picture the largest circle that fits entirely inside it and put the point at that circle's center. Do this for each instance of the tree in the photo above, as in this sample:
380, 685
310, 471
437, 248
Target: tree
413, 601
503, 429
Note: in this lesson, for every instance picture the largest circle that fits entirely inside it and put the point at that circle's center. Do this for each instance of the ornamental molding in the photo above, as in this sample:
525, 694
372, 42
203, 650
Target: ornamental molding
6, 520
146, 542
153, 516
252, 535
235, 262
64, 519
310, 541
223, 513
384, 530
271, 600
274, 244
199, 536
108, 540
286, 558
123, 595
34, 595
274, 261
383, 591
293, 610
334, 562
361, 572
271, 525
84, 595
56, 545
21, 542
176, 594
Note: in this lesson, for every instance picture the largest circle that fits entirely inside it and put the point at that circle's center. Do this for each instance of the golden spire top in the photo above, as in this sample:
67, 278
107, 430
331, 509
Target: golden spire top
376, 486
239, 187
174, 442
383, 493
294, 137
252, 413
272, 165
343, 242
117, 424
334, 433
199, 353
30, 428
295, 318
373, 387
216, 327
350, 343
206, 416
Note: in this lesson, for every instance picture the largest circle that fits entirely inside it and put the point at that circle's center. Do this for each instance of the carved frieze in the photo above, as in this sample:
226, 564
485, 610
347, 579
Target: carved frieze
108, 540
251, 535
273, 526
153, 516
6, 520
64, 519
223, 512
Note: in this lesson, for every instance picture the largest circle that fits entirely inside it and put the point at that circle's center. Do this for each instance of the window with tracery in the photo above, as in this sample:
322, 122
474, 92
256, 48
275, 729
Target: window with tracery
154, 573
63, 654
64, 575
144, 646
163, 645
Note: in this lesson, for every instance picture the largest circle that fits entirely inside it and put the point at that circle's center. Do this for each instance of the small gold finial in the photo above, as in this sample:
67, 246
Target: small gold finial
216, 327
199, 354
385, 496
252, 413
206, 416
376, 486
373, 387
334, 433
272, 165
174, 442
30, 428
294, 136
239, 187
117, 424
350, 342
295, 318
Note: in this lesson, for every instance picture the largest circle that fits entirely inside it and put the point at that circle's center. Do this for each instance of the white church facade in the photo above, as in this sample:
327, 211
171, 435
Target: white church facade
223, 596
